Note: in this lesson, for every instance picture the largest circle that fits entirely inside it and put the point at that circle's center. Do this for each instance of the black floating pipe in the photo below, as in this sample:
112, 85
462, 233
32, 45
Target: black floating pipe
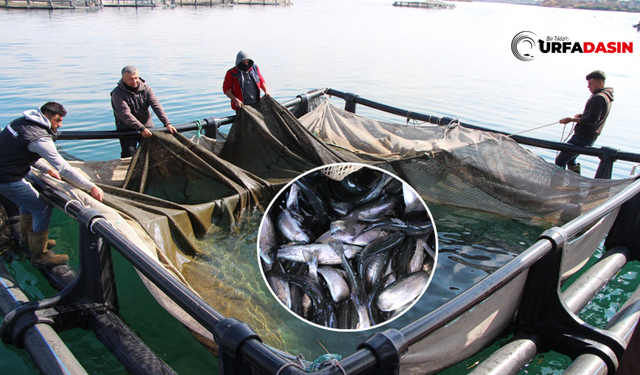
194, 125
109, 328
128, 347
258, 355
414, 332
253, 351
162, 278
49, 353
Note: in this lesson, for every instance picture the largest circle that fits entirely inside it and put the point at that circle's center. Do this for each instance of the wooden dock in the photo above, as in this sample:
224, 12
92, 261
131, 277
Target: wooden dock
74, 4
429, 4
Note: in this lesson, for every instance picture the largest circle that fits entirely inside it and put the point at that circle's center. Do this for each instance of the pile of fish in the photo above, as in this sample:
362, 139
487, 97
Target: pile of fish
347, 254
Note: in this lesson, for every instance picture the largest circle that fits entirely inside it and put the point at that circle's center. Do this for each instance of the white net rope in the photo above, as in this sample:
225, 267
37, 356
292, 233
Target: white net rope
339, 171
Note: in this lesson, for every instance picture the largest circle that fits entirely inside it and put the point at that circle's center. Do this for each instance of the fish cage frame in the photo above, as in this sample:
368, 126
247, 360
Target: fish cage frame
241, 349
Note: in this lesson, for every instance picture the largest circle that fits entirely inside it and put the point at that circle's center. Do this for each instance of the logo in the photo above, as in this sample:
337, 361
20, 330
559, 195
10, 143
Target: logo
523, 45
526, 46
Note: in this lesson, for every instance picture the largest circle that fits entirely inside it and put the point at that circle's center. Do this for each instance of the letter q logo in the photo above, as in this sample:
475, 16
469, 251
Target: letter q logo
523, 45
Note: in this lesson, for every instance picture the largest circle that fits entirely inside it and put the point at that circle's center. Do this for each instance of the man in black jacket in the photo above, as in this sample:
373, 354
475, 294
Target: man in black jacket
590, 122
27, 141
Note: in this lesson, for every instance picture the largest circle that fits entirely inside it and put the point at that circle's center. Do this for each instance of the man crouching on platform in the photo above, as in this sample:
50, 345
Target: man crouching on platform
23, 143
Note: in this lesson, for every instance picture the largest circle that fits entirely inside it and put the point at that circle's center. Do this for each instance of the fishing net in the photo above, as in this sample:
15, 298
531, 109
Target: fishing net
5, 233
462, 167
9, 223
197, 205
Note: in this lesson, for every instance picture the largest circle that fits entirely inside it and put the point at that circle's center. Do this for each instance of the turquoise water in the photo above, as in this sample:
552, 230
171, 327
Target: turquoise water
452, 62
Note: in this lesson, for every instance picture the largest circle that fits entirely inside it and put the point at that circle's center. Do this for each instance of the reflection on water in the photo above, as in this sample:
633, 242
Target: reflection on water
472, 245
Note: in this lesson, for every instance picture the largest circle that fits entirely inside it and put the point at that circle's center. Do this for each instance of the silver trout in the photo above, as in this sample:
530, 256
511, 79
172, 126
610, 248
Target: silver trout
402, 291
290, 228
326, 255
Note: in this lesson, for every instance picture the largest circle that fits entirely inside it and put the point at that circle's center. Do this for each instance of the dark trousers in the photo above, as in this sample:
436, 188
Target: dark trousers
129, 146
569, 158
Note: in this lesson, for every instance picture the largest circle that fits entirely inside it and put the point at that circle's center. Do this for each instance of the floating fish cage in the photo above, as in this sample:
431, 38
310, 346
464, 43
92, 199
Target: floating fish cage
170, 210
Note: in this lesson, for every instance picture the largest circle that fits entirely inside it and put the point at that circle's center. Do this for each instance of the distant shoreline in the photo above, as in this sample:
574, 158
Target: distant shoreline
572, 4
604, 5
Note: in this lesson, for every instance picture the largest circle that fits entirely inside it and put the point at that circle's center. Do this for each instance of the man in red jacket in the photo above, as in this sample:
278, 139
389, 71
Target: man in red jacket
242, 83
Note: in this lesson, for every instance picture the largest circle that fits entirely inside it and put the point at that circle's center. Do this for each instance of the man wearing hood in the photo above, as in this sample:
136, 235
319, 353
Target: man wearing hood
130, 101
23, 143
590, 122
243, 82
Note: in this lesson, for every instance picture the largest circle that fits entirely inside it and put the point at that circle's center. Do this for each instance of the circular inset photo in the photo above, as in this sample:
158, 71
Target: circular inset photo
347, 247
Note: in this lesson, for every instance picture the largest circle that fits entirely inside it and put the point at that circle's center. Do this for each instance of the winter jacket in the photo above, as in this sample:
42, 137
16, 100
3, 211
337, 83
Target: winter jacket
595, 114
131, 109
232, 80
27, 139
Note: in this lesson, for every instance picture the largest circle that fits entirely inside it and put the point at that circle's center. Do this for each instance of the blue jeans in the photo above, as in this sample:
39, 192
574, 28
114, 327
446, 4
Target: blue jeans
30, 202
569, 158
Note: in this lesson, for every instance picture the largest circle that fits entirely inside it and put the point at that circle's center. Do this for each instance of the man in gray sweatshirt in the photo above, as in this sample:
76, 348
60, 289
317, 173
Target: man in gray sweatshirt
24, 143
130, 101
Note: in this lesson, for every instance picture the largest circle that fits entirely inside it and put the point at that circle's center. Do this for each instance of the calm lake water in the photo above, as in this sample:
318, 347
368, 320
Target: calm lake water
445, 62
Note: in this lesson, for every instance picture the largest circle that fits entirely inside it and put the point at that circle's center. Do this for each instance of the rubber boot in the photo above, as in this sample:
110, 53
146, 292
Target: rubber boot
575, 168
40, 256
26, 223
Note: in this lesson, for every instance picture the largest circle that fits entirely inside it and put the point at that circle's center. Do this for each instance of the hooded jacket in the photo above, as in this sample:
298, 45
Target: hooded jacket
595, 114
27, 139
232, 80
131, 108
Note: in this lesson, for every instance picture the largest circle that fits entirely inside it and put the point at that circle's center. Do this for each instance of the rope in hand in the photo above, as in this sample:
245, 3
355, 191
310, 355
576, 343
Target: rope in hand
562, 138
539, 127
568, 134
